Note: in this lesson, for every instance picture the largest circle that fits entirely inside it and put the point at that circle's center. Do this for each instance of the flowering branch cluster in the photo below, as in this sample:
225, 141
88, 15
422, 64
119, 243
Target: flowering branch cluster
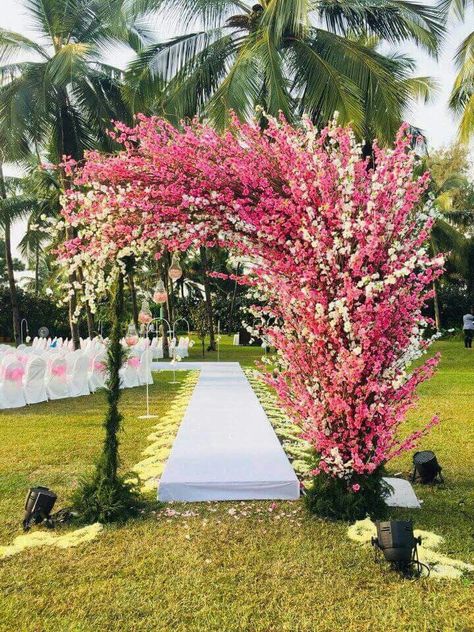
338, 253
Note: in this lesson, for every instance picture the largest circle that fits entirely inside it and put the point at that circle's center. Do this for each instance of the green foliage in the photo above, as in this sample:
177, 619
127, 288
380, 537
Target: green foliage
102, 500
38, 310
107, 497
333, 498
297, 56
18, 265
62, 98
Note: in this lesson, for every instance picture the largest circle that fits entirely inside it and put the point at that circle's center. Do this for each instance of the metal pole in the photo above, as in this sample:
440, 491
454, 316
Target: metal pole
218, 339
148, 416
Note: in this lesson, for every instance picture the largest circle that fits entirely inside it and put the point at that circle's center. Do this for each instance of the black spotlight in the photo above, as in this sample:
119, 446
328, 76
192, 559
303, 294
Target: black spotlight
38, 506
426, 467
398, 544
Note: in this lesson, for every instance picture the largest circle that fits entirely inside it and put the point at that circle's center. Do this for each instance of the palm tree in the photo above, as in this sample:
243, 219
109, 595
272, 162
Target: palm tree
60, 101
449, 170
462, 94
295, 56
13, 206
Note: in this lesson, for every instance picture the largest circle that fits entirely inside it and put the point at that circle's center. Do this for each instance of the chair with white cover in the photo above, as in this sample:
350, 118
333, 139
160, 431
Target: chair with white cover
157, 348
183, 348
56, 379
78, 378
34, 381
144, 370
11, 387
98, 371
129, 373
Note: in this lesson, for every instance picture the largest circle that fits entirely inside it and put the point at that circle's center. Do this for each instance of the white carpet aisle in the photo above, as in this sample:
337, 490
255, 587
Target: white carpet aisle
225, 448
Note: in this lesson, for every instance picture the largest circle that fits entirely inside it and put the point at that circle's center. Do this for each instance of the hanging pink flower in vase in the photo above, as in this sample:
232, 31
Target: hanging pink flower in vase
132, 336
145, 316
160, 295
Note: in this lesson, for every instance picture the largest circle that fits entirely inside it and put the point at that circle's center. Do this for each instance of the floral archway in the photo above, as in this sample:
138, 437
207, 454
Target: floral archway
338, 249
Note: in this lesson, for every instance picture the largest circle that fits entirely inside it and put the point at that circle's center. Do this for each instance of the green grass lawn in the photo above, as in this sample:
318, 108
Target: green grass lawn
210, 570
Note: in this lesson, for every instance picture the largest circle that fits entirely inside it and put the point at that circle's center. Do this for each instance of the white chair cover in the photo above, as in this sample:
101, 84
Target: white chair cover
129, 373
157, 348
11, 388
78, 378
34, 381
56, 379
98, 371
144, 370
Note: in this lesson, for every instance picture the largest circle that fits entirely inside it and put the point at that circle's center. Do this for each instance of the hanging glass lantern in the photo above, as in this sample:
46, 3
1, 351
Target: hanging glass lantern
145, 316
160, 295
175, 272
132, 337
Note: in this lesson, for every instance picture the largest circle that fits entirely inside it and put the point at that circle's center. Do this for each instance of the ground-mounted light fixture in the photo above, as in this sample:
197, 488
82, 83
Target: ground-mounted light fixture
38, 506
396, 540
426, 468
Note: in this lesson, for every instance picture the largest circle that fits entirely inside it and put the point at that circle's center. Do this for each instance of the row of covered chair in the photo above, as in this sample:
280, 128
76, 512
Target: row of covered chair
30, 376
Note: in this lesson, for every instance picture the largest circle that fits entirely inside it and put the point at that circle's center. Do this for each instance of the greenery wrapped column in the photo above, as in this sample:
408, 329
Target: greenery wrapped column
106, 496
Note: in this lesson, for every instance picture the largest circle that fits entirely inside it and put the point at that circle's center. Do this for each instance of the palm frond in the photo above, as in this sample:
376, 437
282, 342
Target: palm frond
194, 85
12, 44
285, 18
462, 95
210, 13
324, 88
240, 89
394, 21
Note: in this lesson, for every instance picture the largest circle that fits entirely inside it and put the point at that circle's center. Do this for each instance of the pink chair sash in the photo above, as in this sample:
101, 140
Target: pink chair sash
14, 374
59, 370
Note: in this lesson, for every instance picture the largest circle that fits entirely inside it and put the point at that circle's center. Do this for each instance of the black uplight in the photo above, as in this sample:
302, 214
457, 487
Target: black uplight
396, 540
38, 506
426, 467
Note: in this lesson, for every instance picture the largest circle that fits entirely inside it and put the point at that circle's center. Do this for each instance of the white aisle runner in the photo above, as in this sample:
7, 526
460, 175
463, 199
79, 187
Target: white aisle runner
225, 449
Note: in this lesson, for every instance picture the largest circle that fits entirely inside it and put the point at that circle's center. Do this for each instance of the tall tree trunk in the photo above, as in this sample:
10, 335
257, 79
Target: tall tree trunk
167, 307
37, 269
208, 298
133, 293
9, 262
73, 325
437, 312
89, 314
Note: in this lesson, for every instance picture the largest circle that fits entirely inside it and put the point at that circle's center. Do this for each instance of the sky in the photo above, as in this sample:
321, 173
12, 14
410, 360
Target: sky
433, 118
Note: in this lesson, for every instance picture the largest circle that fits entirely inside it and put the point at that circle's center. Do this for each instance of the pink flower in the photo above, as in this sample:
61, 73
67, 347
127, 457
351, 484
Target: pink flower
355, 487
339, 249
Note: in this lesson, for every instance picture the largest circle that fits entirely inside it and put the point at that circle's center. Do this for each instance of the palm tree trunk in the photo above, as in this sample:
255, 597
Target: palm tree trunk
133, 292
37, 269
89, 314
73, 325
9, 262
437, 312
208, 298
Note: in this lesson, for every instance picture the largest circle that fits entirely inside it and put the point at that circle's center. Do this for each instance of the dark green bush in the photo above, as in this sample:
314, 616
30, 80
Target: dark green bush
334, 498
